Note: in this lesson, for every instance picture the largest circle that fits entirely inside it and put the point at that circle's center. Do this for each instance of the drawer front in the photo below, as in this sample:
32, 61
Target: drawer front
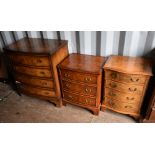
121, 107
71, 75
123, 97
128, 88
33, 71
134, 79
30, 60
82, 89
35, 81
36, 91
73, 98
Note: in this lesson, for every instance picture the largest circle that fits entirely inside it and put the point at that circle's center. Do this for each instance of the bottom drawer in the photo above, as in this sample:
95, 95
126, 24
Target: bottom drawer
120, 106
37, 91
74, 98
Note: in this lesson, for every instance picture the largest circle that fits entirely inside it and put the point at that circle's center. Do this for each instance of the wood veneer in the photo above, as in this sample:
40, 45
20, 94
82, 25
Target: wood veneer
33, 67
126, 80
81, 78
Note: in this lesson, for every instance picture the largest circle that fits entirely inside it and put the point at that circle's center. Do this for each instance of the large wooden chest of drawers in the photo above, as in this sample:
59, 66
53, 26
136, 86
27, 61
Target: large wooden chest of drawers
33, 65
126, 80
81, 77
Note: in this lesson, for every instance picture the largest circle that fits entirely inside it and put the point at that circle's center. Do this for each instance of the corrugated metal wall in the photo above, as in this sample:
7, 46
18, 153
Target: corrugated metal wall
104, 43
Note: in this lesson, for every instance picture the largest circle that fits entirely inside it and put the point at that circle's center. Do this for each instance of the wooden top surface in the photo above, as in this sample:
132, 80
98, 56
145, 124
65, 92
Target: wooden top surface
130, 65
84, 63
36, 45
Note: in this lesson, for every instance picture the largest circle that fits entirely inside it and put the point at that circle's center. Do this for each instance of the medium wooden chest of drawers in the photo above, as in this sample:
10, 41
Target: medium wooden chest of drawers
81, 77
33, 66
125, 83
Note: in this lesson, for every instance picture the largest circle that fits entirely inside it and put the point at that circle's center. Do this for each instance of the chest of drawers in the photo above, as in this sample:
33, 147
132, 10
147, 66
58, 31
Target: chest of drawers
81, 77
126, 80
33, 66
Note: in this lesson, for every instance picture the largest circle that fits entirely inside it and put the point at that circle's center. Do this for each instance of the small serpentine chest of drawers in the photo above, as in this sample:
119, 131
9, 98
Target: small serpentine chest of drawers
81, 77
126, 80
33, 66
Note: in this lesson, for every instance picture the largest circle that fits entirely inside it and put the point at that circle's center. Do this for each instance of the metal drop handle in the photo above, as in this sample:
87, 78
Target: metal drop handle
136, 80
130, 89
88, 79
128, 98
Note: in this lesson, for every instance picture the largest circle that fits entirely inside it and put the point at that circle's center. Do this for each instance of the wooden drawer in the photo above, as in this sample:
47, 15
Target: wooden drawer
30, 60
33, 71
128, 88
121, 107
35, 81
80, 88
127, 78
37, 91
74, 98
81, 77
122, 97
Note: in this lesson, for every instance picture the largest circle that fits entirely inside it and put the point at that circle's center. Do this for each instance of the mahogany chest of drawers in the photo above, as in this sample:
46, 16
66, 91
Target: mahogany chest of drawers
33, 66
125, 83
81, 77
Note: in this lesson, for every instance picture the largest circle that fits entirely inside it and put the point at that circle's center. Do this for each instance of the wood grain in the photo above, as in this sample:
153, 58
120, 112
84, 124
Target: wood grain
81, 78
126, 80
33, 66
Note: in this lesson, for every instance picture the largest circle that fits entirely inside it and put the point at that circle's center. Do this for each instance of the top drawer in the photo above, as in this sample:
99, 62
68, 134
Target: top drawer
127, 78
71, 75
30, 60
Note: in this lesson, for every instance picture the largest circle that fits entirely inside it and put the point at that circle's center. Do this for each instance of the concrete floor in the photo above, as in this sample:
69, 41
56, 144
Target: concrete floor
16, 109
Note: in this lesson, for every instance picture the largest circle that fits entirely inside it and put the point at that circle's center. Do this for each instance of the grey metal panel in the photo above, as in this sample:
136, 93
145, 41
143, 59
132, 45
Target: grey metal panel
127, 43
149, 42
82, 45
93, 43
103, 43
98, 43
116, 42
121, 42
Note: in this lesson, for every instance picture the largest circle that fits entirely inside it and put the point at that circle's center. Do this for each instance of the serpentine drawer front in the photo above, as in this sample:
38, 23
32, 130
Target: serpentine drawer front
33, 67
125, 84
81, 77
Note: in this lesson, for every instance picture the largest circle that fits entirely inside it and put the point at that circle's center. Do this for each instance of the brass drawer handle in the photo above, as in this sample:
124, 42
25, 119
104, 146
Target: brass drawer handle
88, 79
87, 90
136, 80
110, 102
113, 75
42, 73
112, 94
113, 85
70, 96
44, 83
39, 61
132, 90
67, 75
67, 85
128, 106
128, 98
87, 101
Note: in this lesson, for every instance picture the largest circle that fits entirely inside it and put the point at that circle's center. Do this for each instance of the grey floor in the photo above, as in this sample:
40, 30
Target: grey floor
14, 108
